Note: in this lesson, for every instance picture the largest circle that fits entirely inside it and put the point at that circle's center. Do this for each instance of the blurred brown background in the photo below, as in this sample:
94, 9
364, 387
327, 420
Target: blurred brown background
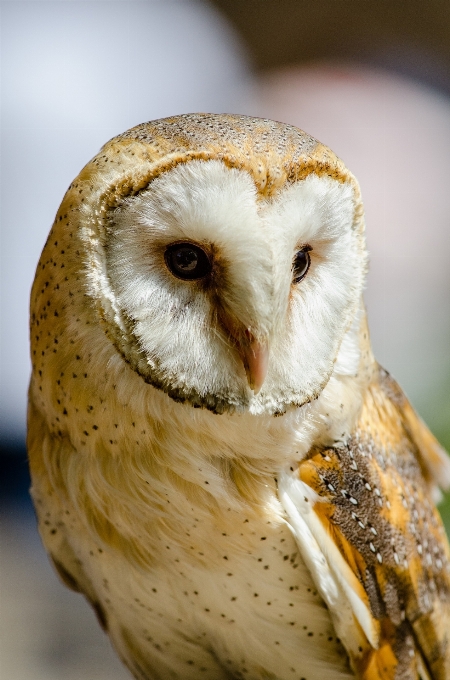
408, 36
371, 80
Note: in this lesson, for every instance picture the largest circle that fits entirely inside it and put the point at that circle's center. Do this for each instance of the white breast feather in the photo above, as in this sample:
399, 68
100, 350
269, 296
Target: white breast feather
328, 568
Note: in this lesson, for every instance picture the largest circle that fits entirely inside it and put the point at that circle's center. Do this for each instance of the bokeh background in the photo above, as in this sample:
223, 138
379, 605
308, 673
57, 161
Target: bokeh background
371, 80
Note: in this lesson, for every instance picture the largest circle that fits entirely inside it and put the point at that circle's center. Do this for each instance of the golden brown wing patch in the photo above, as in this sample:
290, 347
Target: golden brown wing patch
376, 508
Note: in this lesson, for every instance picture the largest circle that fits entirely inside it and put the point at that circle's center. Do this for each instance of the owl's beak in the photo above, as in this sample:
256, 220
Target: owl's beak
254, 353
255, 357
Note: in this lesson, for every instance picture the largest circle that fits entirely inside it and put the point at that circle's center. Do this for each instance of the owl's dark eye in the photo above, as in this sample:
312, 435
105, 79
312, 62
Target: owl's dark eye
187, 261
301, 264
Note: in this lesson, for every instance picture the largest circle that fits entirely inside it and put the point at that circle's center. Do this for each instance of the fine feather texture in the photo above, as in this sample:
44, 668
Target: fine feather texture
157, 471
380, 538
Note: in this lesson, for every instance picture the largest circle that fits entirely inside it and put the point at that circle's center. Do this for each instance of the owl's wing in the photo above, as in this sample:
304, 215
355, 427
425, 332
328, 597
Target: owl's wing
366, 525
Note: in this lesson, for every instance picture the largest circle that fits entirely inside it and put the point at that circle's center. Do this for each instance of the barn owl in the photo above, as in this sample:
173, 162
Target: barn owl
218, 462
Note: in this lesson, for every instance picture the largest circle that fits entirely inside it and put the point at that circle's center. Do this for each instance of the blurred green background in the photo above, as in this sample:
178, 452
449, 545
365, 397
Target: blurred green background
444, 437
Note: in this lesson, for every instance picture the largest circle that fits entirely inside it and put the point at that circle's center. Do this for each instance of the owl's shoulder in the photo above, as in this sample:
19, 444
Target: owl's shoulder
391, 422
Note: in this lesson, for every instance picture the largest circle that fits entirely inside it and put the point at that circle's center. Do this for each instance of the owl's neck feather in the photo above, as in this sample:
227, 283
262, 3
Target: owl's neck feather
173, 460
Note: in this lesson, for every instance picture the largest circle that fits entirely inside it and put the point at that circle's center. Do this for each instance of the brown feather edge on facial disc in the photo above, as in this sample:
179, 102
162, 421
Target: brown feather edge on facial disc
274, 154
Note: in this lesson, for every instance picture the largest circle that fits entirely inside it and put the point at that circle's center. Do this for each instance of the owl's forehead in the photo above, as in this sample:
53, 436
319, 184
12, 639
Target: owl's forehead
269, 150
272, 153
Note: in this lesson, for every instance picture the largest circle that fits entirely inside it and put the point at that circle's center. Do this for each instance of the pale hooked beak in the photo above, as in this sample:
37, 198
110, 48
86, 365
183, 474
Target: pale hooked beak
254, 354
255, 357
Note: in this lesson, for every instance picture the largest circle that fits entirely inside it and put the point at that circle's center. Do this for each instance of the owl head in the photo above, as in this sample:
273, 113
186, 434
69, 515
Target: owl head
225, 257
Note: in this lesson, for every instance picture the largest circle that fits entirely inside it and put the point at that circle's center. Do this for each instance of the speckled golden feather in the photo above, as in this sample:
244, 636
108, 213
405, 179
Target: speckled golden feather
374, 501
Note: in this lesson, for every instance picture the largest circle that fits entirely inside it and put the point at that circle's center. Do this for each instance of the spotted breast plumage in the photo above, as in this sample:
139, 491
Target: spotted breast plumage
218, 463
